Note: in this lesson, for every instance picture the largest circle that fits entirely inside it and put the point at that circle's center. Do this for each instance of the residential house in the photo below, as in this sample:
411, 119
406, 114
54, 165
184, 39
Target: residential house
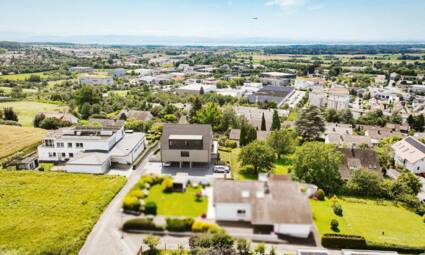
308, 83
186, 144
95, 80
117, 72
338, 98
347, 140
276, 94
358, 158
92, 149
272, 206
338, 128
195, 88
137, 115
254, 115
377, 133
235, 135
64, 116
410, 153
276, 78
317, 97
81, 69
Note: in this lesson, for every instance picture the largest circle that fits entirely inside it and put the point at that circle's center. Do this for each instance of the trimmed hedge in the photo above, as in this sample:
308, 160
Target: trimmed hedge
141, 224
150, 208
131, 203
337, 241
179, 225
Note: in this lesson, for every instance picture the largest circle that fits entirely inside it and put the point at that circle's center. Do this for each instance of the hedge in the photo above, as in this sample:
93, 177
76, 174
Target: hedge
131, 203
141, 224
179, 225
337, 241
202, 226
150, 208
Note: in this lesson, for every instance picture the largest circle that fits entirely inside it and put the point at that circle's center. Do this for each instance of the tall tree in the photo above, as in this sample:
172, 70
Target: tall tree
275, 121
248, 134
209, 114
310, 124
318, 163
196, 106
282, 141
9, 114
87, 94
259, 155
263, 123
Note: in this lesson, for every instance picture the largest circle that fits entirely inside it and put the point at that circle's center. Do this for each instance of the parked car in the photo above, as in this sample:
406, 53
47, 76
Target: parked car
221, 169
167, 164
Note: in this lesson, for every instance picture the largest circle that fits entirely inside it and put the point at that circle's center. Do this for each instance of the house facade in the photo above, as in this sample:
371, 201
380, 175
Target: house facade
95, 80
410, 153
186, 144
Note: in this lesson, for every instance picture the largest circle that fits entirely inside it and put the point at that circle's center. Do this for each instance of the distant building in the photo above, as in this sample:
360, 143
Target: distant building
270, 93
254, 115
81, 69
276, 78
186, 144
308, 83
95, 80
64, 116
410, 153
137, 115
317, 97
117, 72
338, 98
358, 158
195, 88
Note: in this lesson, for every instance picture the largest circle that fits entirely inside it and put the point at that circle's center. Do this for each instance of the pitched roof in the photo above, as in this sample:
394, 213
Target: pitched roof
187, 129
138, 115
283, 204
358, 158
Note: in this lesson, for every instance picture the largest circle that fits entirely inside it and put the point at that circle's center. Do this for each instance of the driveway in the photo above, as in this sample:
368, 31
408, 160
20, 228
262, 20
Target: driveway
105, 237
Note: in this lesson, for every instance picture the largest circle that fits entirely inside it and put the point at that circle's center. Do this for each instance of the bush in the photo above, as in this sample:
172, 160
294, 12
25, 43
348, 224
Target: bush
412, 202
230, 144
131, 203
202, 226
151, 208
337, 241
141, 224
334, 225
167, 185
320, 194
10, 123
179, 225
137, 193
337, 208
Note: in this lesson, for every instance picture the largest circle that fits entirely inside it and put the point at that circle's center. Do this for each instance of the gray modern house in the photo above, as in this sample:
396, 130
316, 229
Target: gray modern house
186, 144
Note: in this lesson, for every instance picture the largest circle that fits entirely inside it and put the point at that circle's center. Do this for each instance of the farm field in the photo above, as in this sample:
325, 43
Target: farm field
178, 203
379, 222
14, 138
26, 110
22, 76
8, 90
51, 212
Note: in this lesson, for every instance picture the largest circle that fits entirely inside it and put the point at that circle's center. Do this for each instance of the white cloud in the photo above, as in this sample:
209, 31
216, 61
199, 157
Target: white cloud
286, 3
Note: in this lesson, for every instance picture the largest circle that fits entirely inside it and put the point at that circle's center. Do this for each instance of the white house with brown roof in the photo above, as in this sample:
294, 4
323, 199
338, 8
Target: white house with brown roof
272, 206
410, 153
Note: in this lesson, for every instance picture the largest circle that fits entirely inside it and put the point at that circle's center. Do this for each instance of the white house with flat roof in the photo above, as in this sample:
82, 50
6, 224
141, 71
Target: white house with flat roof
95, 80
410, 153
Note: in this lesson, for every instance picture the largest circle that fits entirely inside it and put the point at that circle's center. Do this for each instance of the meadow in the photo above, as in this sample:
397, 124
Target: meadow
51, 212
26, 110
379, 222
14, 138
22, 76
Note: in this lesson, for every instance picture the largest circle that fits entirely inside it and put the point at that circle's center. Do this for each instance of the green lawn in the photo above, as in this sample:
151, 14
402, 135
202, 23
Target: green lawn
281, 166
27, 110
22, 76
51, 212
178, 203
8, 90
379, 222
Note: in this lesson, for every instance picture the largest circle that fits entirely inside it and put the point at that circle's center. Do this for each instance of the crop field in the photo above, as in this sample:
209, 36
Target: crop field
14, 138
26, 110
51, 212
22, 76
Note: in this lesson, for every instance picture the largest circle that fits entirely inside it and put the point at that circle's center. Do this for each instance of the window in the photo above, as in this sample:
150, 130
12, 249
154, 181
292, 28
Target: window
241, 212
71, 155
48, 143
184, 154
52, 154
79, 145
59, 145
69, 145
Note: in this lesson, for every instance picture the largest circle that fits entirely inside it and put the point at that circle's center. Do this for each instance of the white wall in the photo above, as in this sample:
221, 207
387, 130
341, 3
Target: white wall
88, 169
413, 167
228, 211
295, 230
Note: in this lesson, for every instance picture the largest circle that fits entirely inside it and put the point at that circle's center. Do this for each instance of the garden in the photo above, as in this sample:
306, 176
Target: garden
382, 223
155, 195
51, 212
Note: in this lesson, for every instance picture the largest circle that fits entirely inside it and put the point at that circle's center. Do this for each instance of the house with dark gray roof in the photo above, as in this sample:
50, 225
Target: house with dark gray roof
275, 94
275, 205
358, 158
186, 144
410, 153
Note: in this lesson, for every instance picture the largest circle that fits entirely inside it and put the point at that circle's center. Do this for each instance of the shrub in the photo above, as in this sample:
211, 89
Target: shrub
151, 208
334, 224
337, 208
179, 225
141, 224
10, 123
137, 193
202, 226
338, 241
260, 249
167, 185
131, 203
320, 194
230, 144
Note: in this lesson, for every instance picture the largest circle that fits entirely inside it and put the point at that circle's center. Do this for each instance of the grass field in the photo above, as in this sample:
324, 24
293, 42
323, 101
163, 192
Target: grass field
178, 203
8, 90
14, 138
27, 110
21, 76
281, 166
51, 212
379, 222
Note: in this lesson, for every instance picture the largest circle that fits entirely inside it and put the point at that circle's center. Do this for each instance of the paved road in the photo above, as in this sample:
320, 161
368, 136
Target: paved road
105, 237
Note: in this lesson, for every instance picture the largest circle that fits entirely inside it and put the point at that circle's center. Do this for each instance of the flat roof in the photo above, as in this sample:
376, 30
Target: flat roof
185, 137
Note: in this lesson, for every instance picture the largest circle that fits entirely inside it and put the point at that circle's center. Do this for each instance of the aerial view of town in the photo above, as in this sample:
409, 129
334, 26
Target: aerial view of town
214, 127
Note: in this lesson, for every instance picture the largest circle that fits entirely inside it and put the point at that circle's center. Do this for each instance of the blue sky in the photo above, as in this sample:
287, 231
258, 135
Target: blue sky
358, 20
